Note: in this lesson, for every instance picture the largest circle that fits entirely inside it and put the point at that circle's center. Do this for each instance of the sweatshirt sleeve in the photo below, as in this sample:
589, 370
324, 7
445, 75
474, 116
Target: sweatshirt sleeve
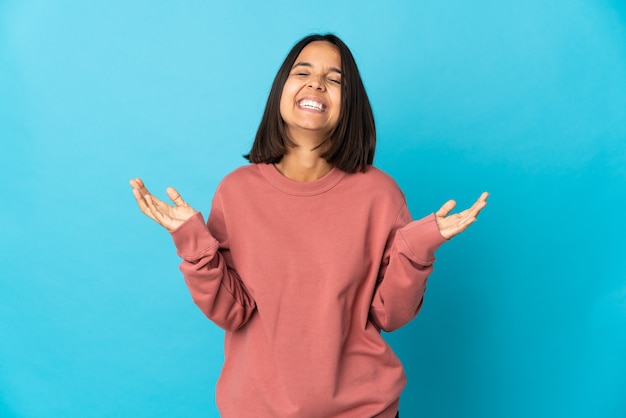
406, 265
215, 288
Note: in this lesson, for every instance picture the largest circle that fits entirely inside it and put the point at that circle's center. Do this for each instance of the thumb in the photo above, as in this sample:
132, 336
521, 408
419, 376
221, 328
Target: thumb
175, 197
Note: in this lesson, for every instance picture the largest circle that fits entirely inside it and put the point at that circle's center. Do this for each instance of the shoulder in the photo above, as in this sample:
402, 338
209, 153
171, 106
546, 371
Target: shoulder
238, 188
376, 179
378, 176
239, 183
376, 185
240, 177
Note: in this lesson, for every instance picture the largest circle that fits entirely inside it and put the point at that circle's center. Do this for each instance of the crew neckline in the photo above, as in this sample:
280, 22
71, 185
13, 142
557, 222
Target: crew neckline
301, 188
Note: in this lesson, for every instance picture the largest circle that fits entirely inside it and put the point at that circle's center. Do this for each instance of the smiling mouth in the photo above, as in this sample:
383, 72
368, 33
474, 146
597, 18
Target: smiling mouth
311, 104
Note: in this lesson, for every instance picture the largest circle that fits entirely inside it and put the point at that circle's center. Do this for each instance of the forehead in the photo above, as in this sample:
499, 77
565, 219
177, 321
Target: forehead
320, 53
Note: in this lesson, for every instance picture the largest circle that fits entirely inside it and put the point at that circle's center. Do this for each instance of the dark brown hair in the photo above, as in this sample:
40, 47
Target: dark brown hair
352, 142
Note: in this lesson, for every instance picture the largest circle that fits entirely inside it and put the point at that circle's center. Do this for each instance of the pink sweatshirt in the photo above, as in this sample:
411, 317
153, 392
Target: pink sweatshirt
303, 276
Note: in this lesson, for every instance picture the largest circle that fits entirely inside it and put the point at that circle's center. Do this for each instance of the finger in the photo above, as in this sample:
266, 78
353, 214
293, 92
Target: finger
479, 204
162, 214
141, 201
143, 205
449, 230
149, 205
466, 221
476, 207
455, 224
138, 185
155, 209
175, 197
463, 220
446, 208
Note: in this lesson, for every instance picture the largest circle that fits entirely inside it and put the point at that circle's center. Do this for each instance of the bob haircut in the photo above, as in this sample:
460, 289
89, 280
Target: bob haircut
352, 142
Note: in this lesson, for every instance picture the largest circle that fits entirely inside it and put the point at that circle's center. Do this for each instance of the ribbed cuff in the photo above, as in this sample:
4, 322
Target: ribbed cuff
193, 239
422, 238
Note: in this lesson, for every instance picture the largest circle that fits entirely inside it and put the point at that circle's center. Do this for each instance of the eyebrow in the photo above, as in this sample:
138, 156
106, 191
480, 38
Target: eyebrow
306, 64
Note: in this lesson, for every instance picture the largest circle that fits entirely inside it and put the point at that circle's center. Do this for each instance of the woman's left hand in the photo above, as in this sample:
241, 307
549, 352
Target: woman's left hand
451, 225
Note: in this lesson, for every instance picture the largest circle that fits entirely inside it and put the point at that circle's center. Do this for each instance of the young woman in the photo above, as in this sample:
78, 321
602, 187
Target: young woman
309, 251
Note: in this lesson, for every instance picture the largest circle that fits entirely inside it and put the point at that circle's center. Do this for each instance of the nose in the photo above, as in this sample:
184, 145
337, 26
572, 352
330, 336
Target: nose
316, 82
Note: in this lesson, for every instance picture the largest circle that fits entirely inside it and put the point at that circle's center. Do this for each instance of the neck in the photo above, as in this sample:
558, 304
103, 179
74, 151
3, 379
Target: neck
303, 165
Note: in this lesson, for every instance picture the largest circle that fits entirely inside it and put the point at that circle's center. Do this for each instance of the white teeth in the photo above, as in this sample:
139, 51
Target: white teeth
311, 104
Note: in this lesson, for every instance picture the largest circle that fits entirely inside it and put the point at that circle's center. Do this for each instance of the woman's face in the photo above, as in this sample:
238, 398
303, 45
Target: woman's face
311, 98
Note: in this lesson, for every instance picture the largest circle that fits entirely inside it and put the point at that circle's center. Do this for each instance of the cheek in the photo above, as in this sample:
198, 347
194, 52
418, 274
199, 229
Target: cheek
289, 89
287, 96
284, 103
337, 103
283, 106
336, 96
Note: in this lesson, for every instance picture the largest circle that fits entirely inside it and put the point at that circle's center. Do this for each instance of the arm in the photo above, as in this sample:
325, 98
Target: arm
409, 258
407, 263
215, 288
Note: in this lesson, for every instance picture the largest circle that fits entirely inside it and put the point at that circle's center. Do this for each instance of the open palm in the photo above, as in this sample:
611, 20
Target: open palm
166, 215
451, 225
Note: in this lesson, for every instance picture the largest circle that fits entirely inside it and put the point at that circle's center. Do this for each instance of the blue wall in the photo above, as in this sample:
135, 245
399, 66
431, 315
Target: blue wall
526, 312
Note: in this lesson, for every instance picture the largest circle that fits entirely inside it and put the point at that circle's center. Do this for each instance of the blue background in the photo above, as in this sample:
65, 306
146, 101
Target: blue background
525, 314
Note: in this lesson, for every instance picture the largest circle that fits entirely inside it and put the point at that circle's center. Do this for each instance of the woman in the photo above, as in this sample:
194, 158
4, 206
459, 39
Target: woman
309, 252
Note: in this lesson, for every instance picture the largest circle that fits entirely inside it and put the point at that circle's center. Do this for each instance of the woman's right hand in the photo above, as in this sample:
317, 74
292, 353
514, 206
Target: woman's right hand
166, 215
